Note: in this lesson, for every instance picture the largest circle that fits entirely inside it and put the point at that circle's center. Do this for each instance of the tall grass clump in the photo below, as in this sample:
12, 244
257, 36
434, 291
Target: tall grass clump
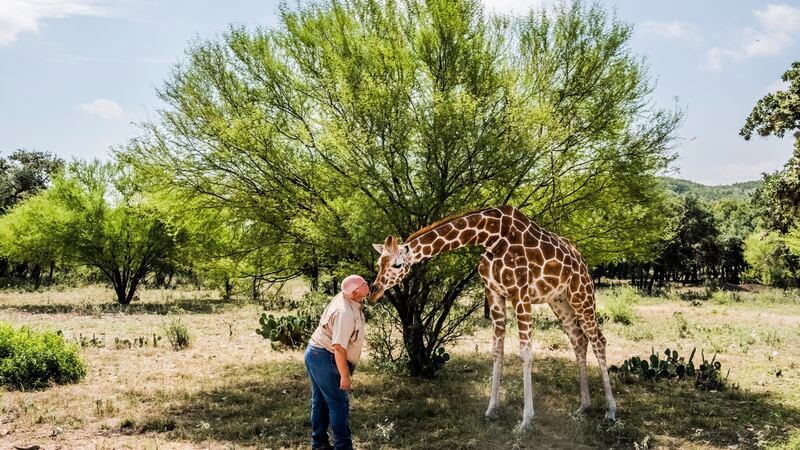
617, 305
33, 360
178, 334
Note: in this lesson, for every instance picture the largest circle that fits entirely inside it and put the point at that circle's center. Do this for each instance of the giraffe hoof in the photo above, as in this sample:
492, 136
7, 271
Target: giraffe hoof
524, 426
491, 414
611, 416
582, 410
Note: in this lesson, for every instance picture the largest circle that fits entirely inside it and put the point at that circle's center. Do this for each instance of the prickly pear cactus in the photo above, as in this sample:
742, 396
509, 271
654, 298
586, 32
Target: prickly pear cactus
286, 331
707, 376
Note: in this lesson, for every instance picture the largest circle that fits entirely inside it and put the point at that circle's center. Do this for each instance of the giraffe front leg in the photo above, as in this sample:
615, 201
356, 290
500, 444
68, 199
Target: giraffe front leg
498, 313
526, 354
497, 369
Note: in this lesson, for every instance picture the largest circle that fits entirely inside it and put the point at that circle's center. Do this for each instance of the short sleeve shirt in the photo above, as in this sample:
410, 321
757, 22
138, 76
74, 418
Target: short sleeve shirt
342, 323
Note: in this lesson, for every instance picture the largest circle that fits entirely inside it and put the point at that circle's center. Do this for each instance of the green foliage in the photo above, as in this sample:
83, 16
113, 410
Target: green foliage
735, 191
778, 113
177, 334
387, 352
289, 331
24, 173
350, 121
29, 232
33, 360
707, 376
769, 259
94, 215
616, 305
721, 297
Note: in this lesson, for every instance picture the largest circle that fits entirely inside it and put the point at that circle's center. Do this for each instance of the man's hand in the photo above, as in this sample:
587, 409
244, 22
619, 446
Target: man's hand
341, 364
346, 384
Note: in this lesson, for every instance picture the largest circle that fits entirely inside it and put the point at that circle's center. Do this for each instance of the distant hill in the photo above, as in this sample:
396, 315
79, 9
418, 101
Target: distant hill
711, 193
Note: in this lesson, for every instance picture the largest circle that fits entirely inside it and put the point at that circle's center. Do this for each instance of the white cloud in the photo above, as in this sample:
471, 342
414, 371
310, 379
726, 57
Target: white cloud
671, 30
103, 107
18, 16
778, 25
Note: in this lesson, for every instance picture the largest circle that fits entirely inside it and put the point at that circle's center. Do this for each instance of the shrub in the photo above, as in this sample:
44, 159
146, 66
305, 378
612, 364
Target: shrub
615, 311
617, 305
178, 334
387, 352
721, 297
32, 360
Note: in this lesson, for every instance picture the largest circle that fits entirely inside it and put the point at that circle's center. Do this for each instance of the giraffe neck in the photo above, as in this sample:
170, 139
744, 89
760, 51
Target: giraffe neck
471, 229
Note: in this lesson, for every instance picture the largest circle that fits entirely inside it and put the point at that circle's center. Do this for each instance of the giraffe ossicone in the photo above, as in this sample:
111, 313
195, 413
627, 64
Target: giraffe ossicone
524, 264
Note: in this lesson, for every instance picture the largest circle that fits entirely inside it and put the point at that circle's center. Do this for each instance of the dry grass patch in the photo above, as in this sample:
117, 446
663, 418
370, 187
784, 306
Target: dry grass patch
231, 390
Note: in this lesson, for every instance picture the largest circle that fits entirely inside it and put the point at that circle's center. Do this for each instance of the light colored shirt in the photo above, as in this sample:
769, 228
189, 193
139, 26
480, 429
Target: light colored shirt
342, 323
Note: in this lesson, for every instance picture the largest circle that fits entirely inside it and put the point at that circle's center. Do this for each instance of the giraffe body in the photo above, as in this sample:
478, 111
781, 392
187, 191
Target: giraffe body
524, 265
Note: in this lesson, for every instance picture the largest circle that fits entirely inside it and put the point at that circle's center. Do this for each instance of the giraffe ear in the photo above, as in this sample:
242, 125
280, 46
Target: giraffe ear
378, 248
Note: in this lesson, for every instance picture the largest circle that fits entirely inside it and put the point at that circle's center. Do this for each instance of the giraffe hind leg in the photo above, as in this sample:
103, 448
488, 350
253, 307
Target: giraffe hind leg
588, 321
579, 341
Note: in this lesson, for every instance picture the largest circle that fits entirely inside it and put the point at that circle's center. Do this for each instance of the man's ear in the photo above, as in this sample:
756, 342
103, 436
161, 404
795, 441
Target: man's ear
378, 248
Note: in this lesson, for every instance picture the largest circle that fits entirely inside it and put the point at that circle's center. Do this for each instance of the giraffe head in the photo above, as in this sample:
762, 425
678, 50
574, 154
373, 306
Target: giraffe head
394, 264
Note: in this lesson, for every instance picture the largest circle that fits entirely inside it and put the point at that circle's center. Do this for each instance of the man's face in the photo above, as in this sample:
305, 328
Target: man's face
360, 292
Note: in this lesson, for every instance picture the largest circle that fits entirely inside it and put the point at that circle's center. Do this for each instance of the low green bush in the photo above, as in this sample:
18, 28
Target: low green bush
617, 305
33, 360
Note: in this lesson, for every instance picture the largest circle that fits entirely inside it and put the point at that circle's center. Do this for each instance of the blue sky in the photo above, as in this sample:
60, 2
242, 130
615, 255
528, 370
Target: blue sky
77, 75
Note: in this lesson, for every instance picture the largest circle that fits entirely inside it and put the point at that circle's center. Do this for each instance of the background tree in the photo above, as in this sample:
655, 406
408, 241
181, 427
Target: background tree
357, 119
27, 235
769, 250
778, 113
24, 173
95, 215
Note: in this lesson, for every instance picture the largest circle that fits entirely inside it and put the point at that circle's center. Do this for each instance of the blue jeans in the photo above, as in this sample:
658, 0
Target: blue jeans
329, 404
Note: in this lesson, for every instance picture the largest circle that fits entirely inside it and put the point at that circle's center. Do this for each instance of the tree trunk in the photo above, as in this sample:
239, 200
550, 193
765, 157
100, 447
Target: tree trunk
36, 275
119, 289
228, 290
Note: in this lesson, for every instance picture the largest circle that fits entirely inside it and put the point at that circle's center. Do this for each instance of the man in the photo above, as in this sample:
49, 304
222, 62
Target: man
331, 356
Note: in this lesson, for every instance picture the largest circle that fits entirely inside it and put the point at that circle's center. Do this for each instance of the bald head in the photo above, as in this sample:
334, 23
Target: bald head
355, 288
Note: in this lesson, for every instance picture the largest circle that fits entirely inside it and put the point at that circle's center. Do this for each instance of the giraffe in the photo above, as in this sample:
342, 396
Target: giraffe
522, 263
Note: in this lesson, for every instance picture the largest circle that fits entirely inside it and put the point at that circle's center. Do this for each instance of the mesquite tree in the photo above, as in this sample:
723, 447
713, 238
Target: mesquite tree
352, 120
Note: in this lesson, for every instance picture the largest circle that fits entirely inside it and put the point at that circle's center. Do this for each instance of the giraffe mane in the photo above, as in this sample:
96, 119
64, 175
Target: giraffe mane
442, 221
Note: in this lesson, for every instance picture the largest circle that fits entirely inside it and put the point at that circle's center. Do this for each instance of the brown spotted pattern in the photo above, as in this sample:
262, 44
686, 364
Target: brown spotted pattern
522, 264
